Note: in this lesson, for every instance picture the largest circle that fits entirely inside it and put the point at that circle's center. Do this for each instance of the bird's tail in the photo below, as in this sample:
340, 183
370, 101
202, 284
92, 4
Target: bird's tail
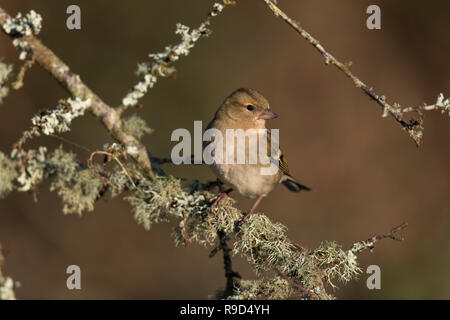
293, 185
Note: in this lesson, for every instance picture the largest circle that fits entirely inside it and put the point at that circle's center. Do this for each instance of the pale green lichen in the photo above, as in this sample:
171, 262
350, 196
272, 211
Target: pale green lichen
22, 47
76, 185
7, 286
31, 169
59, 119
5, 70
299, 273
265, 245
119, 181
152, 200
8, 174
275, 288
136, 126
218, 7
30, 24
443, 103
259, 240
200, 224
159, 66
140, 89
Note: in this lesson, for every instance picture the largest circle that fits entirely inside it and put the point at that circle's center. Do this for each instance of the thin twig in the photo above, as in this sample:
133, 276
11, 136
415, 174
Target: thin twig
77, 88
7, 284
370, 243
413, 127
389, 234
112, 156
16, 85
71, 142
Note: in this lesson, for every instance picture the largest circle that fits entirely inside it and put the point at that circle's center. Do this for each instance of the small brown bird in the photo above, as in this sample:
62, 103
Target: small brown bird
248, 109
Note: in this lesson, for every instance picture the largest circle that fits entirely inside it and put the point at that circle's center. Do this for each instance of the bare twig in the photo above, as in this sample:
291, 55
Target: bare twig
57, 120
19, 81
413, 127
7, 284
370, 243
110, 155
389, 234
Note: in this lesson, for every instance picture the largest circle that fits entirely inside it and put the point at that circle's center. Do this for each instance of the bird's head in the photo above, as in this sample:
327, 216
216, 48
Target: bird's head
248, 107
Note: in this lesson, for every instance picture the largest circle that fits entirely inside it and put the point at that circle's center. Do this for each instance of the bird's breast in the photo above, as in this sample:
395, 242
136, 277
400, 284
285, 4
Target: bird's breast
241, 166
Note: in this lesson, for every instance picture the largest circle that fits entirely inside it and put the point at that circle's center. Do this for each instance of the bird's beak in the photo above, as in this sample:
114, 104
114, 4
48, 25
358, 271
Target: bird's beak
267, 114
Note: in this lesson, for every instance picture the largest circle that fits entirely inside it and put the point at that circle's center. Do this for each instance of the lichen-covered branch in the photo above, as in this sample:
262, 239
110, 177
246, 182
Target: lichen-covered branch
162, 62
369, 244
304, 273
413, 127
54, 121
25, 41
73, 182
285, 268
297, 272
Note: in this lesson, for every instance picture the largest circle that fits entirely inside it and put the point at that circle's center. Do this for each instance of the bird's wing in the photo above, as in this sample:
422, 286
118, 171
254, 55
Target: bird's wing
278, 158
283, 164
286, 178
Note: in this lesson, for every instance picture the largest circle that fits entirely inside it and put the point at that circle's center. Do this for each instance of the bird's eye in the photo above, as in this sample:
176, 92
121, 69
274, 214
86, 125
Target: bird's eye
250, 107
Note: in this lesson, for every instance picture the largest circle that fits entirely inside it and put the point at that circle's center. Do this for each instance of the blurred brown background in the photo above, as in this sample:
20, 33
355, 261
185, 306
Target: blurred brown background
367, 174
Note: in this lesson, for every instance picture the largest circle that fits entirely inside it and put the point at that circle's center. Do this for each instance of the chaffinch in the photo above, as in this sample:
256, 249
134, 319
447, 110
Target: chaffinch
248, 109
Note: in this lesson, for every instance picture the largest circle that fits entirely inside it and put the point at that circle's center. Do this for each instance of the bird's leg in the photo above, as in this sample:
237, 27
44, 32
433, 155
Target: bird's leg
220, 197
252, 210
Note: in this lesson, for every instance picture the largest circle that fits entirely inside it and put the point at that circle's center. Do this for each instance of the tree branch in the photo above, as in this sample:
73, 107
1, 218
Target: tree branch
163, 61
413, 127
78, 89
370, 243
262, 242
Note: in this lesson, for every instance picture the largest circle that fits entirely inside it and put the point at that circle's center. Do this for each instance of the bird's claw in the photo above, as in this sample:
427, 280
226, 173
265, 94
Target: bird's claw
243, 219
216, 200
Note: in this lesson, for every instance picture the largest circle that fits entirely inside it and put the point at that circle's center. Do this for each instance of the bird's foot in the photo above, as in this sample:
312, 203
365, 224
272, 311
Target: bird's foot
243, 219
216, 200
249, 214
